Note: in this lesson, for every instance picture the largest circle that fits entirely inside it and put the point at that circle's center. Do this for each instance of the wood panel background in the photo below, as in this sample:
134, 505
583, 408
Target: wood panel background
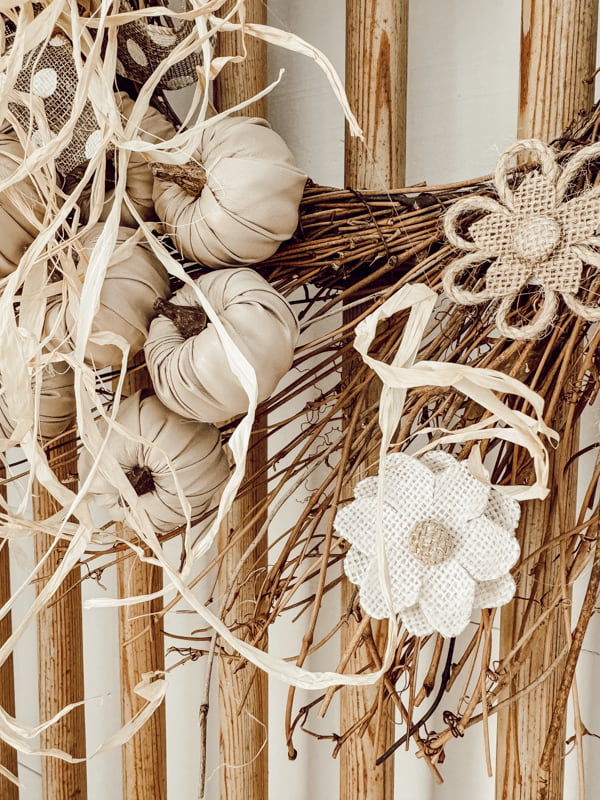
465, 103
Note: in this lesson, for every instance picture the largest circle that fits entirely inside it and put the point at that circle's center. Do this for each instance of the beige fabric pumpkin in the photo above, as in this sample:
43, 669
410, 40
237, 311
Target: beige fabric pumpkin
155, 127
18, 229
56, 404
192, 375
193, 448
134, 279
249, 204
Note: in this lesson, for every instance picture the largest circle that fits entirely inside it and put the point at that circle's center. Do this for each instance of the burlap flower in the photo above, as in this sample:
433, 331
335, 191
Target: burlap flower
448, 538
540, 234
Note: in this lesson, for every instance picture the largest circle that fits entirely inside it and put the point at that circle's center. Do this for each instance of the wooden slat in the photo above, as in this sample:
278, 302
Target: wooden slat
243, 694
142, 650
8, 755
60, 653
376, 66
558, 48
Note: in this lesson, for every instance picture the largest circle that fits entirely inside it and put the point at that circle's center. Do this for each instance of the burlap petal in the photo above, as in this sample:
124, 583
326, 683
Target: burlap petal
535, 195
408, 486
503, 510
493, 233
561, 272
491, 594
415, 621
447, 598
508, 275
579, 219
488, 560
356, 565
355, 523
458, 496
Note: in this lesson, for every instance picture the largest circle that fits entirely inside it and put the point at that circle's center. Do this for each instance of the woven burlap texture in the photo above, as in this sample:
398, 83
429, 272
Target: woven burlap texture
144, 44
49, 74
533, 237
448, 538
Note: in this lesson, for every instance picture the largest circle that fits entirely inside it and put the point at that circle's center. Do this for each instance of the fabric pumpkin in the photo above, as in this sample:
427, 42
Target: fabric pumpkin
193, 448
192, 375
56, 404
18, 228
249, 204
134, 279
155, 127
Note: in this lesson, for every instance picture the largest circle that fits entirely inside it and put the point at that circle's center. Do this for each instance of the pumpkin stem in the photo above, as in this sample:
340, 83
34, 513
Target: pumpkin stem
189, 320
190, 176
141, 479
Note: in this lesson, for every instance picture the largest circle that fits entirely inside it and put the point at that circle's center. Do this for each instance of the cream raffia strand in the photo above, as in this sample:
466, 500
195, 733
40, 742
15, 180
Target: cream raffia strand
22, 353
541, 234
478, 384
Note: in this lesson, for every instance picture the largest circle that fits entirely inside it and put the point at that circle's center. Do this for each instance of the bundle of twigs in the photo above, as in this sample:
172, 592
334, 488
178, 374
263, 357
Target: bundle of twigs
352, 247
358, 248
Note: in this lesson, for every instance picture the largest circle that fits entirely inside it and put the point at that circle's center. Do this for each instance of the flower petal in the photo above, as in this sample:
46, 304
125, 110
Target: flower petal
462, 275
447, 598
367, 487
561, 272
579, 218
437, 460
458, 496
408, 486
507, 275
486, 550
355, 522
493, 233
415, 621
535, 195
406, 576
356, 565
491, 594
370, 596
502, 510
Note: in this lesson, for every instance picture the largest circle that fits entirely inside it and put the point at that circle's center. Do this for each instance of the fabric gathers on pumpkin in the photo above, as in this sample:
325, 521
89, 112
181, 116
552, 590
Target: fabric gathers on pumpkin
448, 538
57, 404
133, 281
20, 205
193, 449
193, 376
250, 201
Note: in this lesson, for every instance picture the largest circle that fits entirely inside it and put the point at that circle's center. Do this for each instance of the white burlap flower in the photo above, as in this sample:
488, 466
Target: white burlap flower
541, 234
448, 537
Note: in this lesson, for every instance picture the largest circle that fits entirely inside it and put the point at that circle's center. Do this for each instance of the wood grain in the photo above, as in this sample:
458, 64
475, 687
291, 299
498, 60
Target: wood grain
243, 693
142, 650
558, 59
376, 66
60, 652
8, 755
558, 51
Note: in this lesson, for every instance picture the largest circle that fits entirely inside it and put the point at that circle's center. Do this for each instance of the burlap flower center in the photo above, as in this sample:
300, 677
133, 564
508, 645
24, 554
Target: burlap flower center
536, 238
430, 542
